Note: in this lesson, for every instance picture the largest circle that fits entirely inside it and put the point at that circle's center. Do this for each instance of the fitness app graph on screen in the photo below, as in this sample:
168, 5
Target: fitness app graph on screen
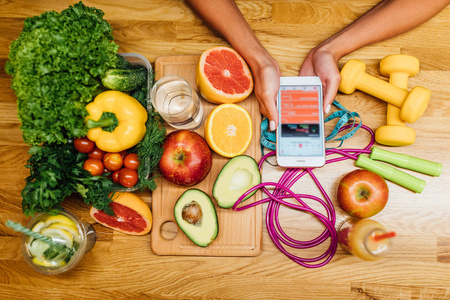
300, 121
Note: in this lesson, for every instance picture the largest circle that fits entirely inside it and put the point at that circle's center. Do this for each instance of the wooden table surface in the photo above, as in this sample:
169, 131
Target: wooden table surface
124, 266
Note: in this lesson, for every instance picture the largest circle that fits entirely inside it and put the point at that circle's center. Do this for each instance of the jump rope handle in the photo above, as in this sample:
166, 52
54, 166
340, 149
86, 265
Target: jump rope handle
407, 162
392, 174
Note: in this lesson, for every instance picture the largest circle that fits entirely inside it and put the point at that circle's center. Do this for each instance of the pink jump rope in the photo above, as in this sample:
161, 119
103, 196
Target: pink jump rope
282, 191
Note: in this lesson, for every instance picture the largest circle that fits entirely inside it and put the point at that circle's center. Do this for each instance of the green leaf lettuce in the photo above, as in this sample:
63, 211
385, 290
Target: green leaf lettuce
56, 64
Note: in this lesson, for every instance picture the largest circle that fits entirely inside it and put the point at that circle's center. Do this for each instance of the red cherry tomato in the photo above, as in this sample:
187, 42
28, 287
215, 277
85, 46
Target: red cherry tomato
96, 153
115, 177
131, 161
128, 177
83, 145
93, 166
113, 161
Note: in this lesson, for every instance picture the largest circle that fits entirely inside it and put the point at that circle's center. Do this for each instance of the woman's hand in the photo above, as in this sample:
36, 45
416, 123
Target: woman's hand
266, 75
322, 63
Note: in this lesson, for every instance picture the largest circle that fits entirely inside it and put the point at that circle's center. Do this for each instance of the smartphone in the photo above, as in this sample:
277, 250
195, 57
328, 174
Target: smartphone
300, 132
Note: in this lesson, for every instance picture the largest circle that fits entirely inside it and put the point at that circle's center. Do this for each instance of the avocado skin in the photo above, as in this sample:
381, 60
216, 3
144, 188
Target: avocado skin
243, 161
204, 235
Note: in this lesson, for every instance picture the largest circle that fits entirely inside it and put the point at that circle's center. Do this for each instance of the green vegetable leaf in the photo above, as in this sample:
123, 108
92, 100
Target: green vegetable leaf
56, 65
150, 151
81, 189
56, 171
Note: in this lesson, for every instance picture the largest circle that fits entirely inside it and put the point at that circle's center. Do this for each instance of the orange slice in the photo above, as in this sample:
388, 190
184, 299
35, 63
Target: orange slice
228, 130
132, 215
223, 76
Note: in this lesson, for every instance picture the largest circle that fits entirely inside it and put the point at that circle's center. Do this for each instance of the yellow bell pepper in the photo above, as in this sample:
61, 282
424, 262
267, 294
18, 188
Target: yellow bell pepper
116, 121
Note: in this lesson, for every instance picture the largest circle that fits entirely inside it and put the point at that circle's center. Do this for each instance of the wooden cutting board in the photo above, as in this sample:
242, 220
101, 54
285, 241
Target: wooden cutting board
240, 233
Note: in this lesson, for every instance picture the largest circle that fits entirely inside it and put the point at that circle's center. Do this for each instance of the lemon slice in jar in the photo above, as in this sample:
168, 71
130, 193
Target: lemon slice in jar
48, 263
38, 227
59, 219
59, 235
72, 229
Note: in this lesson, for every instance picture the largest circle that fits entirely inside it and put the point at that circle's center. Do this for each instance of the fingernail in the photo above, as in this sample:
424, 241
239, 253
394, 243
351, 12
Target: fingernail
327, 110
272, 125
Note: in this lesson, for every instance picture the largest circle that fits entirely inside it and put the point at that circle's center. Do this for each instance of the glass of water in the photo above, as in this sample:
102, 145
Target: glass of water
177, 103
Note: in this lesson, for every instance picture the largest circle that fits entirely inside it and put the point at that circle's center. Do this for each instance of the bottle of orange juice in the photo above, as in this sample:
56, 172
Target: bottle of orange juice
365, 238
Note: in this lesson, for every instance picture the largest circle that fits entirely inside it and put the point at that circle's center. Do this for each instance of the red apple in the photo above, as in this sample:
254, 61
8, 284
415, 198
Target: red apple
186, 159
362, 193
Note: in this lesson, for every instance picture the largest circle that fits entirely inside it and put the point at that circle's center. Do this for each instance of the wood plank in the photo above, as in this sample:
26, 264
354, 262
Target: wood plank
240, 233
362, 291
309, 13
443, 249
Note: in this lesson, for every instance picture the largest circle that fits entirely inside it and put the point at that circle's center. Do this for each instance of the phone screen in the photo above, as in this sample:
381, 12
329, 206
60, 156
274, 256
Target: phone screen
300, 112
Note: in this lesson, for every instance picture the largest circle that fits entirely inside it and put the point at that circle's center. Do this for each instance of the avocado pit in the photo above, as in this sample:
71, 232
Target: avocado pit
192, 213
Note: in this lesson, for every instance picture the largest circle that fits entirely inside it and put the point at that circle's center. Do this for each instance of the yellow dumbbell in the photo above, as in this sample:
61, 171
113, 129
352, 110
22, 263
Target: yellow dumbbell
412, 104
398, 67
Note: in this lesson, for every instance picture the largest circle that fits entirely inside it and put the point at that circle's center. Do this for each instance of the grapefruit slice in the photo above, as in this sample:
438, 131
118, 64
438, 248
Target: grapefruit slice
132, 215
223, 76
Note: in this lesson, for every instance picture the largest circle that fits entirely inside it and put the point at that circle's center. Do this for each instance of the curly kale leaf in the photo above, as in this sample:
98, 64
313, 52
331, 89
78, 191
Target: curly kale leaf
56, 64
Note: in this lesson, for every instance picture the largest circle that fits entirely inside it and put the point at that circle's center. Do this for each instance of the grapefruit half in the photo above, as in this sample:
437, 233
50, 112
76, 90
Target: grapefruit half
223, 76
132, 215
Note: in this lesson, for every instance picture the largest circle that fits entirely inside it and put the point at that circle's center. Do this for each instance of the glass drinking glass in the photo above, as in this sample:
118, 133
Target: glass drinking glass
84, 238
177, 103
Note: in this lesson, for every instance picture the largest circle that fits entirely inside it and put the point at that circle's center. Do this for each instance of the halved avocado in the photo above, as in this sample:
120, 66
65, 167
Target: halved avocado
237, 176
196, 216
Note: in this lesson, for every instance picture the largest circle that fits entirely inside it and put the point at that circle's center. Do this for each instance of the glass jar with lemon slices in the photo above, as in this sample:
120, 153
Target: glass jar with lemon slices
71, 238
